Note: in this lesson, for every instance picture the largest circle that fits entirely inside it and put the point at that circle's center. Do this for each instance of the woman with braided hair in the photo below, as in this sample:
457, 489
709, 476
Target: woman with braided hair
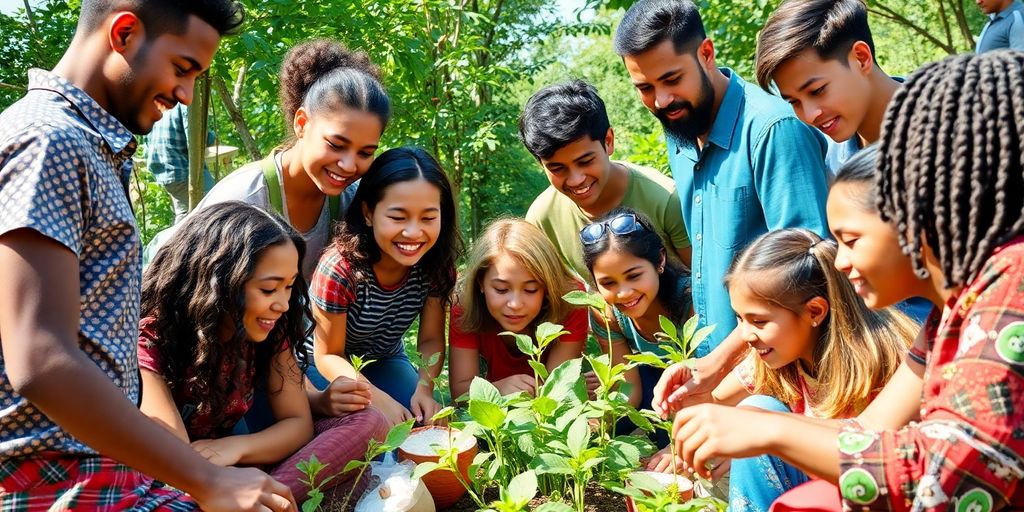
944, 220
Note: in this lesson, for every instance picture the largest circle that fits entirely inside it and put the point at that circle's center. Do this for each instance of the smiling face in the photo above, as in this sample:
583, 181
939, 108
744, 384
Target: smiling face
336, 147
580, 170
627, 282
831, 95
675, 87
869, 250
779, 336
513, 295
269, 289
157, 72
406, 222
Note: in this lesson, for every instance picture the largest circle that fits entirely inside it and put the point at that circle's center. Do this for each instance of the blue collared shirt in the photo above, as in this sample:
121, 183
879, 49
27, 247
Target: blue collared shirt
1004, 29
761, 169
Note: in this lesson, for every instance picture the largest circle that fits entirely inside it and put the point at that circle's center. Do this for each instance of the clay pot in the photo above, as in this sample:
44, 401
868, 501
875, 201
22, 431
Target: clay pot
685, 487
443, 485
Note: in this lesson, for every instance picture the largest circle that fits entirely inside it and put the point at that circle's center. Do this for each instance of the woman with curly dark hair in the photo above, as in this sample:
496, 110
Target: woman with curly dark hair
224, 315
393, 259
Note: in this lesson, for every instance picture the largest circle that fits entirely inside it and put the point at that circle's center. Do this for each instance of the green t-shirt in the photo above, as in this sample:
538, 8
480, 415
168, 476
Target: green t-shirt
648, 192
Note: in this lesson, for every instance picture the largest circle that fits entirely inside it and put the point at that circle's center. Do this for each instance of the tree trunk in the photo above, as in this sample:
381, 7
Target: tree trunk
236, 118
198, 113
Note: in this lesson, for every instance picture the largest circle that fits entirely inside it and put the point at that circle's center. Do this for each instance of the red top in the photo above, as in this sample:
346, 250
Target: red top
502, 361
236, 375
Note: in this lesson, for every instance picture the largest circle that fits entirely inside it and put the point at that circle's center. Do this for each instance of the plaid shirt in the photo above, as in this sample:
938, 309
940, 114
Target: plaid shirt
966, 452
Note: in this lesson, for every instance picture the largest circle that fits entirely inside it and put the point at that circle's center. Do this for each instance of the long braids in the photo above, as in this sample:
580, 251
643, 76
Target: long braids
951, 166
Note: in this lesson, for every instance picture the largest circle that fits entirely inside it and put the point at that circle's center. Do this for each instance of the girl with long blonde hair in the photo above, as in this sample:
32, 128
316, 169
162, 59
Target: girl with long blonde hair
513, 281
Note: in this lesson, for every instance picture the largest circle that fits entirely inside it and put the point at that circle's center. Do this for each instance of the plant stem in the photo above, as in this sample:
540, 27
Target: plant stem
348, 497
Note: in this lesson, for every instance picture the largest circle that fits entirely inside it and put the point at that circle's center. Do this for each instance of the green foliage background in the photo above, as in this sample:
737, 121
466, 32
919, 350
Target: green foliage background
459, 71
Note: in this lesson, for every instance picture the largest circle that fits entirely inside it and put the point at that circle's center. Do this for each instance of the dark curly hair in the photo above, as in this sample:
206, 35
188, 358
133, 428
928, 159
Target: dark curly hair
645, 244
322, 74
355, 240
951, 163
196, 284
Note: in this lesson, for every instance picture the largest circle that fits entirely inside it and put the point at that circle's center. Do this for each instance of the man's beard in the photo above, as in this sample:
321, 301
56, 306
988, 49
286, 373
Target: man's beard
697, 120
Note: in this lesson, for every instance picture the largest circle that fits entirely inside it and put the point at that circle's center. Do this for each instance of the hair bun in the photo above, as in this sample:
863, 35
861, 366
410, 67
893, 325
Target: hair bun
306, 62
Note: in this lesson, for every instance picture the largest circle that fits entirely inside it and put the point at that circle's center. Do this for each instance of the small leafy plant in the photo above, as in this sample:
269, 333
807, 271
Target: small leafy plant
649, 495
678, 345
310, 469
396, 436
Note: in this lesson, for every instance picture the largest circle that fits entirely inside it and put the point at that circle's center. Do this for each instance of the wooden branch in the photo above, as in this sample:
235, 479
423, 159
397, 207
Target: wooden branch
198, 114
888, 13
945, 21
961, 21
13, 87
236, 96
236, 118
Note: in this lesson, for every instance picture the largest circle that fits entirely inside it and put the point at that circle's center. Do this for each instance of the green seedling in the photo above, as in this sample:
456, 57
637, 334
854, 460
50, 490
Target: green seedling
649, 495
678, 345
310, 469
358, 363
547, 333
396, 436
448, 458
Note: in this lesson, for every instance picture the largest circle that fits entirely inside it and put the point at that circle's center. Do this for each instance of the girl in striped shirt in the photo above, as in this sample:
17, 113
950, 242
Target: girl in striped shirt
392, 259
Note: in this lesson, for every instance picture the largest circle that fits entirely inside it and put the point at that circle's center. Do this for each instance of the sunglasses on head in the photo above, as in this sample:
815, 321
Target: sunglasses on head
620, 225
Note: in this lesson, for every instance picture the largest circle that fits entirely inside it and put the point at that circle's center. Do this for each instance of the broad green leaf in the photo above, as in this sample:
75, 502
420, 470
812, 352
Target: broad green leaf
523, 487
649, 359
443, 413
487, 414
313, 503
523, 341
640, 421
423, 468
549, 463
397, 435
689, 328
622, 456
539, 368
668, 327
548, 332
591, 463
582, 298
601, 369
544, 406
562, 379
353, 464
578, 437
481, 390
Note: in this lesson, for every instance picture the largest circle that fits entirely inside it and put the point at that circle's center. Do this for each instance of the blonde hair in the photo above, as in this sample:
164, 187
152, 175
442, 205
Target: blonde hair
528, 245
858, 349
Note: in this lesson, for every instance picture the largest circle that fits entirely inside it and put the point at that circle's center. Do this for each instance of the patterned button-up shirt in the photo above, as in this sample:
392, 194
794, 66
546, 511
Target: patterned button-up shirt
64, 167
967, 452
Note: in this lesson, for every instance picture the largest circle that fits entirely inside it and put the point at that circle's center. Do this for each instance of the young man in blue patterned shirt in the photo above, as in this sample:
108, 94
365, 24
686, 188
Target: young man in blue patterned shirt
71, 435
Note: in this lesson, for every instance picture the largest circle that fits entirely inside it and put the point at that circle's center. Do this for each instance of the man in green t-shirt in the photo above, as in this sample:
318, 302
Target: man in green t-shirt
565, 126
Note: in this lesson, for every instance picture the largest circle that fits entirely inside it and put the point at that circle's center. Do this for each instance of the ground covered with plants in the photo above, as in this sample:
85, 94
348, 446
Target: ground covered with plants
557, 451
